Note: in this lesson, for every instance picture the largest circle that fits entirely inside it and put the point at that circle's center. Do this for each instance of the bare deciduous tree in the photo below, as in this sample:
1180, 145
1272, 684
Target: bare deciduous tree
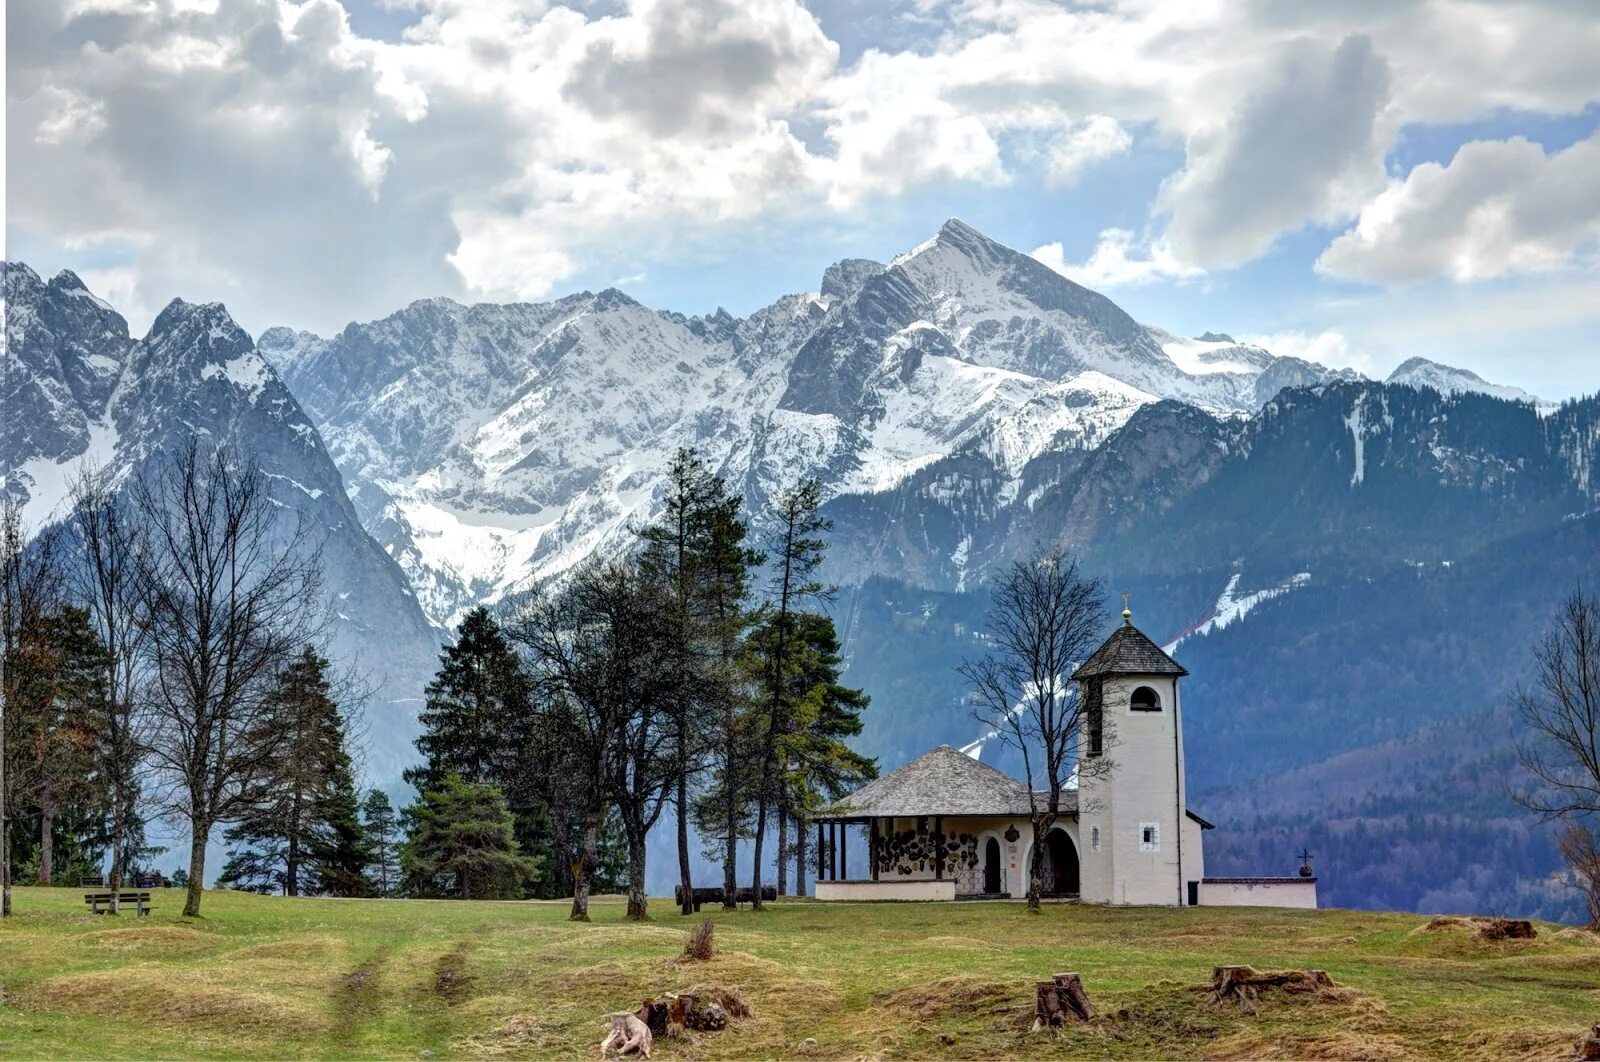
1560, 748
1044, 620
106, 587
591, 646
230, 593
1580, 849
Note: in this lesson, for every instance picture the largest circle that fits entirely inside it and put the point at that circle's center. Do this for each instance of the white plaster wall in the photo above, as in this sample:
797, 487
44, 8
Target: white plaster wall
1143, 784
1290, 892
886, 889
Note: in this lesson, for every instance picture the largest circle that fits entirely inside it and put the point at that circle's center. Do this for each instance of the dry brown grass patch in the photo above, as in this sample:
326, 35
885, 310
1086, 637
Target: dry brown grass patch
153, 940
1334, 1044
179, 998
950, 995
783, 987
515, 1035
601, 937
1477, 927
606, 980
1459, 1040
295, 948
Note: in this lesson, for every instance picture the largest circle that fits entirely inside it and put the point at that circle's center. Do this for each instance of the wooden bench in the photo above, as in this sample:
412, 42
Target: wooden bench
769, 894
100, 902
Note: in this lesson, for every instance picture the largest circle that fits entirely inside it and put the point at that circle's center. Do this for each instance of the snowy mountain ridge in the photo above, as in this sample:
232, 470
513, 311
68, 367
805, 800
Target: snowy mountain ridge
491, 447
1420, 372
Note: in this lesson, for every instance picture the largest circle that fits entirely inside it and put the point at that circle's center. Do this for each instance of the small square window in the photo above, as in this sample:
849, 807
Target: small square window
1149, 837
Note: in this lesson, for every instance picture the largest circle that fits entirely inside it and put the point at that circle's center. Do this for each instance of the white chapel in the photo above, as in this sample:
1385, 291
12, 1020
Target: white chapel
946, 826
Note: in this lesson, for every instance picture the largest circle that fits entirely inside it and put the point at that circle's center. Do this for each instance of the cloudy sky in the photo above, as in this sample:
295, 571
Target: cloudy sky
1357, 182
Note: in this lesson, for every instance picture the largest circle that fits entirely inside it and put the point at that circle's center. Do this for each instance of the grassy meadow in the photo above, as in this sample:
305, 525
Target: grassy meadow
270, 977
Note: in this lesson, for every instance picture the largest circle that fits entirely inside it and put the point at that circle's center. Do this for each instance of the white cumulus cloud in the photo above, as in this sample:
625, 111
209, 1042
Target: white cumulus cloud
1117, 260
267, 153
1499, 207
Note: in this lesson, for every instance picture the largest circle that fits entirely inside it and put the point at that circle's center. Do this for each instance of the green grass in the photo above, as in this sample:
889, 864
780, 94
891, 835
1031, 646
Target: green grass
369, 978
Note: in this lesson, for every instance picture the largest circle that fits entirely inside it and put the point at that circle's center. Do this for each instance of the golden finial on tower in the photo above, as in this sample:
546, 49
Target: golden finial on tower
1127, 613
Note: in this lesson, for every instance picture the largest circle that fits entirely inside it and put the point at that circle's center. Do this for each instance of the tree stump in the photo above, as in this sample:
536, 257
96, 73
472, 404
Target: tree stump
708, 1017
1060, 1000
1589, 1046
654, 1014
1073, 995
1242, 984
628, 1035
1506, 929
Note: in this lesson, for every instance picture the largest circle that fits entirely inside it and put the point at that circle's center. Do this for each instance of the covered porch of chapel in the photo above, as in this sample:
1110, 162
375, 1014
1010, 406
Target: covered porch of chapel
944, 826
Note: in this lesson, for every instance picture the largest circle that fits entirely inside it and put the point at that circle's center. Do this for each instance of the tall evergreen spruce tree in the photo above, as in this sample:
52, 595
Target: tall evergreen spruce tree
300, 832
462, 844
695, 558
382, 828
824, 713
58, 695
341, 851
477, 709
796, 547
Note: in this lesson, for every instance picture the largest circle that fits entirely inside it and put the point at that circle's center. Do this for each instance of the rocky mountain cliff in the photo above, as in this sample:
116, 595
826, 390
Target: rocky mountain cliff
490, 447
79, 389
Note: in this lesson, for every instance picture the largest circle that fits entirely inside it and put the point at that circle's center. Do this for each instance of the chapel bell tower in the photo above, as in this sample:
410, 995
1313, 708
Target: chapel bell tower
1131, 800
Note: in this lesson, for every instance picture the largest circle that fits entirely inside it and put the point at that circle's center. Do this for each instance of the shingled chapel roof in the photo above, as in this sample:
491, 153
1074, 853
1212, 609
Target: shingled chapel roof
1128, 652
945, 781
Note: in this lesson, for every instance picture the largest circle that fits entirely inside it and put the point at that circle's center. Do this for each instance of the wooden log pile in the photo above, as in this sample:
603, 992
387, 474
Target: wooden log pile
1060, 1000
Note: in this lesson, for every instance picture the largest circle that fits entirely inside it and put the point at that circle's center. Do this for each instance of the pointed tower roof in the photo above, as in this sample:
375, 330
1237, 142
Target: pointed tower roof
1128, 652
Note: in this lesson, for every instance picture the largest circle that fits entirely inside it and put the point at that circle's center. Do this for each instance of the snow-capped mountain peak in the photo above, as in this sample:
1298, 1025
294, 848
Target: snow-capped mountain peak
1421, 372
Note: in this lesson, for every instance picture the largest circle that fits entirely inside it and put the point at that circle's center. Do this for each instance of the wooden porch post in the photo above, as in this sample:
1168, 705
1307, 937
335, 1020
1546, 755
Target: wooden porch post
872, 847
822, 866
833, 850
938, 854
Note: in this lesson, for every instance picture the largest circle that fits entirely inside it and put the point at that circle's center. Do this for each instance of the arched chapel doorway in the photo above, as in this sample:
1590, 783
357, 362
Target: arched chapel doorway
1060, 864
991, 867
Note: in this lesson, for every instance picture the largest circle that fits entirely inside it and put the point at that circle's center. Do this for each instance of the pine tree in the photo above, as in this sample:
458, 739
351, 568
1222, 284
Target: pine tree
462, 844
824, 713
57, 695
477, 709
383, 833
695, 558
300, 832
340, 850
796, 547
